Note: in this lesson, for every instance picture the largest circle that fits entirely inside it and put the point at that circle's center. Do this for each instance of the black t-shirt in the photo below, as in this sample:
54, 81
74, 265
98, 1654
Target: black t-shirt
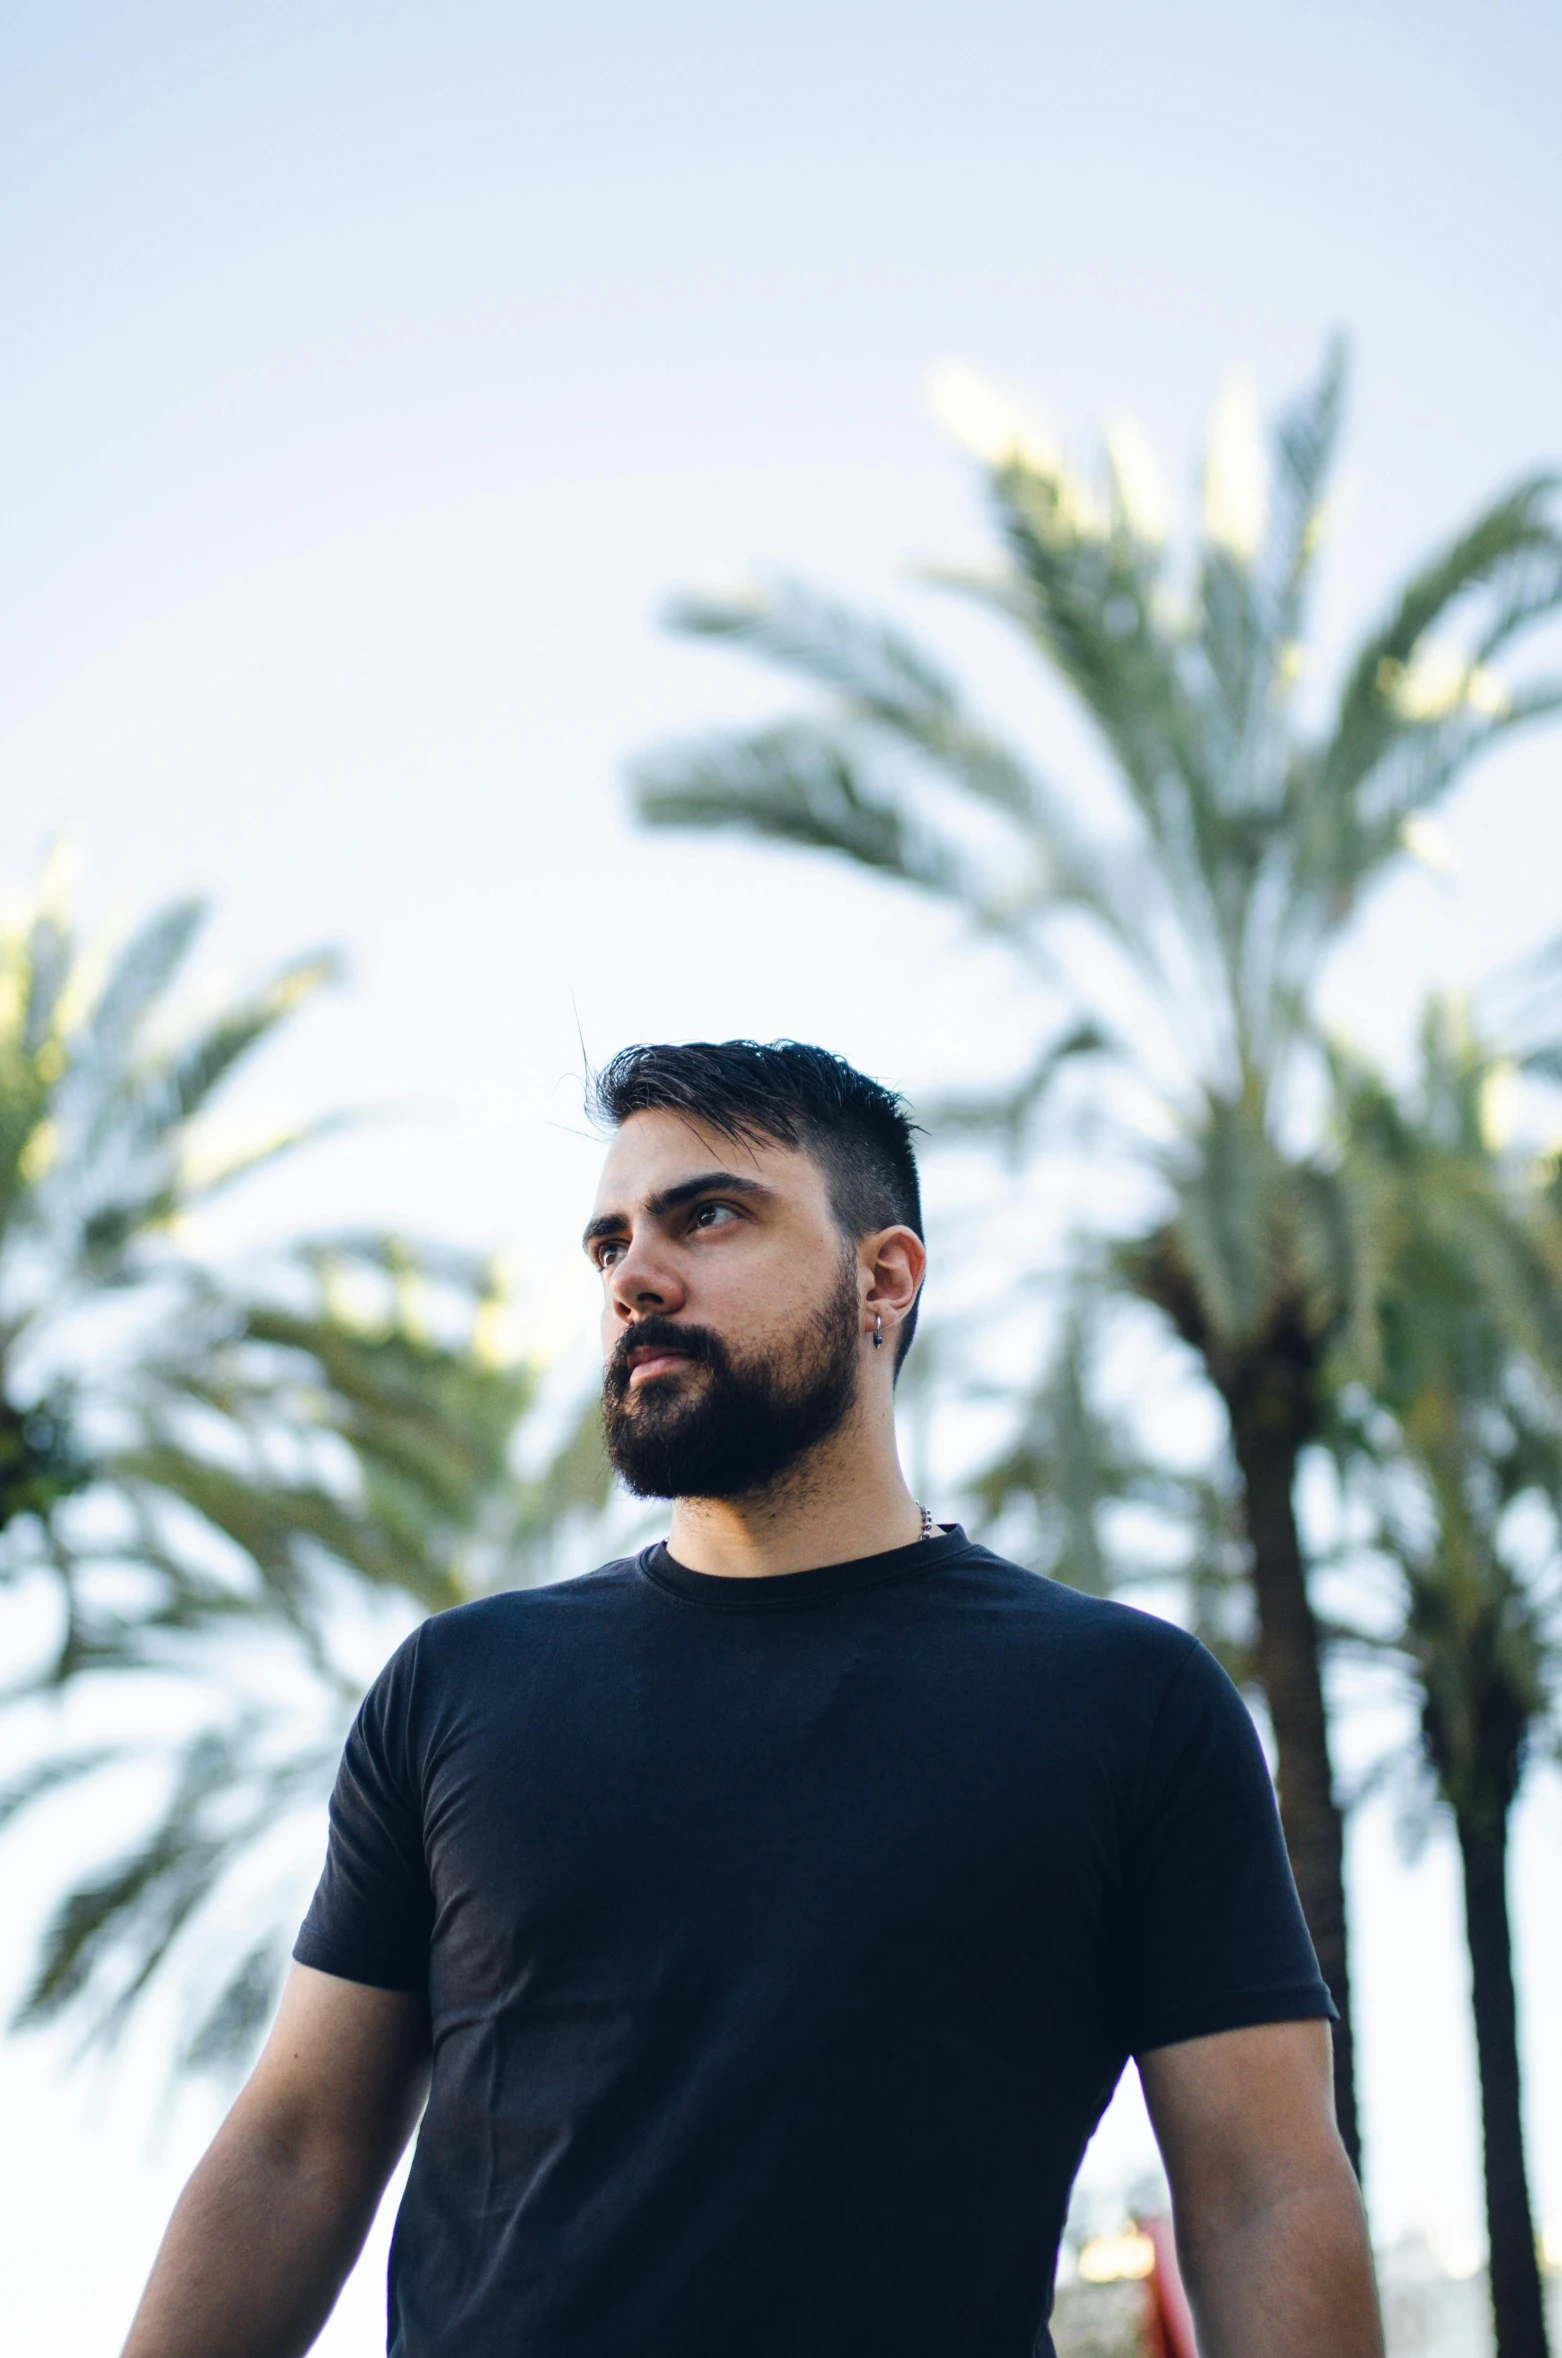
784, 1940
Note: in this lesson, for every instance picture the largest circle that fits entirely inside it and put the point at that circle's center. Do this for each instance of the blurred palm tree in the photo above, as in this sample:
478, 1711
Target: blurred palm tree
1453, 1435
199, 1477
1172, 922
1074, 1492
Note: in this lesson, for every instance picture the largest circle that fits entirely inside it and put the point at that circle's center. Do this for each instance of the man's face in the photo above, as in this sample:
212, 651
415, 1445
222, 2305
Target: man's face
732, 1319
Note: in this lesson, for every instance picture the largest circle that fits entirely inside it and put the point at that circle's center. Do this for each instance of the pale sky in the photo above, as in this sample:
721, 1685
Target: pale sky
370, 375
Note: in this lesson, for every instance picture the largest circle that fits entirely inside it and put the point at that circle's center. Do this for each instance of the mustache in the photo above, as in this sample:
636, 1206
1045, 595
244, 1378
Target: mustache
696, 1343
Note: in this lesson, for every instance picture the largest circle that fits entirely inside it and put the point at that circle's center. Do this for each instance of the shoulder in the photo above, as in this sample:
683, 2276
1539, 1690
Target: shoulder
1086, 1628
504, 1644
521, 1616
1105, 1677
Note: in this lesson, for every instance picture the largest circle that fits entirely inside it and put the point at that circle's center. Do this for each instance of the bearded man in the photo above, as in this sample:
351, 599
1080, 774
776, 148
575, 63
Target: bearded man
768, 1917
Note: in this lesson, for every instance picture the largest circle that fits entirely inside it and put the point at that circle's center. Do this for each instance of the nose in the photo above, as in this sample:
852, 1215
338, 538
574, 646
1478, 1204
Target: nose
643, 1280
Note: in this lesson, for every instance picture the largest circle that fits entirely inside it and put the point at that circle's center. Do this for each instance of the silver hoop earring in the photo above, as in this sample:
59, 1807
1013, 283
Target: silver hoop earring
878, 1332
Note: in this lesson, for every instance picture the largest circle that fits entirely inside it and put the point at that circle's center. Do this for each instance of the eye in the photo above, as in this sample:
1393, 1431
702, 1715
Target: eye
607, 1253
714, 1216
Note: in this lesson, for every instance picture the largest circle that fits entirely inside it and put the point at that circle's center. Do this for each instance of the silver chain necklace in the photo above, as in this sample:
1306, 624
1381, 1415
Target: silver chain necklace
929, 1527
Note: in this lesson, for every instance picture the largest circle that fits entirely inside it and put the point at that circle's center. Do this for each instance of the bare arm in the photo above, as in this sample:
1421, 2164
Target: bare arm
1270, 2228
275, 2215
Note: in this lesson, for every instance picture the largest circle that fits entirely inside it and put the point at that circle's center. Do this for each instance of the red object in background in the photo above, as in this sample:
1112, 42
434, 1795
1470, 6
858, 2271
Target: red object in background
1168, 2321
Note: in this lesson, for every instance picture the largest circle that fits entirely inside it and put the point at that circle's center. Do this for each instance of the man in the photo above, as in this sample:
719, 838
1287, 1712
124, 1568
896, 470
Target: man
769, 1917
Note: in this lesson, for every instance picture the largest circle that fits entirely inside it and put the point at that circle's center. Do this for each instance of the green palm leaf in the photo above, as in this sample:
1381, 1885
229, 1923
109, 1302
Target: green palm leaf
1509, 563
800, 784
192, 1462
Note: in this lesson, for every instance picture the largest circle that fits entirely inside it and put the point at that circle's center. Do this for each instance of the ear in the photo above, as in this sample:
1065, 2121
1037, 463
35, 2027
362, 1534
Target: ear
894, 1262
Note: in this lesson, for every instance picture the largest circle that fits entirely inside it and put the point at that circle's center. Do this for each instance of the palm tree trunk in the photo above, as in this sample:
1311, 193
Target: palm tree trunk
1271, 1389
1269, 1425
1518, 2305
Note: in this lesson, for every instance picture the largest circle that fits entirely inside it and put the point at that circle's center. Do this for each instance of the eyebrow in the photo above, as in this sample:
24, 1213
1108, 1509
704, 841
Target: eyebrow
670, 1198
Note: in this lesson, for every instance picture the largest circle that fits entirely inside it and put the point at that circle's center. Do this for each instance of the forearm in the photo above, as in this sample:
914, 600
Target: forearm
255, 2254
1287, 2280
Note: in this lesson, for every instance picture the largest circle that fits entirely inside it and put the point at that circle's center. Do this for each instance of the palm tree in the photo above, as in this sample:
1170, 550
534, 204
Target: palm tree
1055, 1494
1453, 1432
209, 1477
1171, 925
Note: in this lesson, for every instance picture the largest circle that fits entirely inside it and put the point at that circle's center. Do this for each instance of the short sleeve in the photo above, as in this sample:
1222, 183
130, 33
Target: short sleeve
373, 1910
1212, 1936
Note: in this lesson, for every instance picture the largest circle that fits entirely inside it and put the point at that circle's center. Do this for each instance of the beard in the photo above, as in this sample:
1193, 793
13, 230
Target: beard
747, 1421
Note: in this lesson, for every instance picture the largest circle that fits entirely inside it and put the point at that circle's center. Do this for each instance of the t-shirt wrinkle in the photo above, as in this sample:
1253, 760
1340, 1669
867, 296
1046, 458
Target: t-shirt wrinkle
781, 1956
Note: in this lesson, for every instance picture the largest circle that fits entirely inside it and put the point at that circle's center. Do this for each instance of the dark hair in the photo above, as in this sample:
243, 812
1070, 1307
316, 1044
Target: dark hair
856, 1130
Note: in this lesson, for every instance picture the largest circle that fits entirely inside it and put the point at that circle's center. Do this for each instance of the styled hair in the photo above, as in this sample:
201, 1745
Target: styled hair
857, 1131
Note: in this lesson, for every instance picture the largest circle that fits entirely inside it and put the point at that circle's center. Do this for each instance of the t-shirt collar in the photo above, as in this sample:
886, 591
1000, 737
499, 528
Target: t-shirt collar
776, 1591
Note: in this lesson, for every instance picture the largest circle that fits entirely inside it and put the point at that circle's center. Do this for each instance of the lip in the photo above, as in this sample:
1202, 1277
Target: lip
656, 1363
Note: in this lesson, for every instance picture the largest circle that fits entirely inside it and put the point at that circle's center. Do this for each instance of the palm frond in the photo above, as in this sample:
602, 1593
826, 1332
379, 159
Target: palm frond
1089, 601
48, 959
1006, 1115
575, 1483
178, 1090
1510, 558
228, 2028
53, 1775
1422, 763
878, 676
198, 1186
871, 666
1238, 650
143, 970
1305, 442
113, 1932
204, 1460
844, 785
1224, 1224
282, 1532
119, 1178
1064, 1467
801, 784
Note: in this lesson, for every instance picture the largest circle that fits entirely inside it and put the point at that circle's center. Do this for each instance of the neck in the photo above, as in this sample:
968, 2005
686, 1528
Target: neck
845, 1499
